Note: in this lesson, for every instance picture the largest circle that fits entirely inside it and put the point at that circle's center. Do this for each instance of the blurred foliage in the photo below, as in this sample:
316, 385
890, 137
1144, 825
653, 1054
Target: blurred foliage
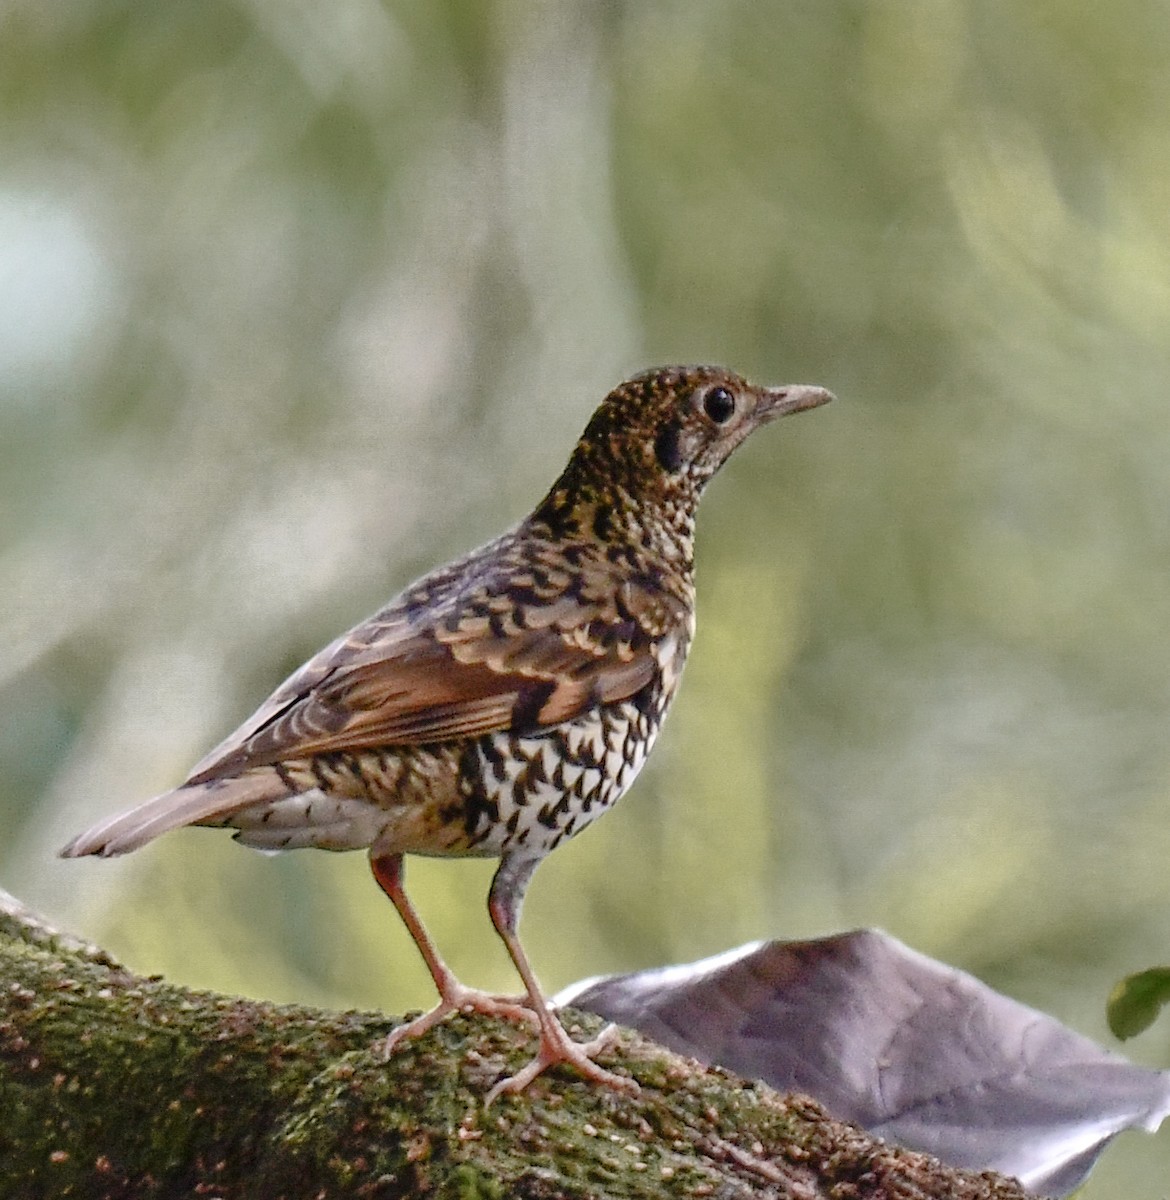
298, 300
1136, 1001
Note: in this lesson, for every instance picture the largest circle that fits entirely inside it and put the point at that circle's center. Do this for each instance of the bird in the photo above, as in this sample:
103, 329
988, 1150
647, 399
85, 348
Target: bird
500, 704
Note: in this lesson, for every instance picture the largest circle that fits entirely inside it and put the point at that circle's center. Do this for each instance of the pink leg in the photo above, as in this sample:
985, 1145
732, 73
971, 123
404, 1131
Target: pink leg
453, 996
504, 902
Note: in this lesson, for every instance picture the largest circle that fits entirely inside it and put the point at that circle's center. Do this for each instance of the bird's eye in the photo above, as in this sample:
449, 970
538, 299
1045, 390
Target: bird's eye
719, 405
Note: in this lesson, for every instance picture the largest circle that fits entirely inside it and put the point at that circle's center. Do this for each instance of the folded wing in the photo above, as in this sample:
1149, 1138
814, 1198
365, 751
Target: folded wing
511, 646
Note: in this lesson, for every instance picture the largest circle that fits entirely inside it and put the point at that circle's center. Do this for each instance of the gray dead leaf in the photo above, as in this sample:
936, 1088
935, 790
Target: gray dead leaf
914, 1051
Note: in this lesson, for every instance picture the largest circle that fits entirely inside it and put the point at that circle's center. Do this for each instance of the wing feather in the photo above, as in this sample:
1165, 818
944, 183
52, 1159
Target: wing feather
472, 650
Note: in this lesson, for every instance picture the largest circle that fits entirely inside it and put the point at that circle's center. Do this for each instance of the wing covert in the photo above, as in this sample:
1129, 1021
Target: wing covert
491, 651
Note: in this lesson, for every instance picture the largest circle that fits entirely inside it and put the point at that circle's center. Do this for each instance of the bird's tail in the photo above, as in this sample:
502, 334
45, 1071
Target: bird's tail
212, 803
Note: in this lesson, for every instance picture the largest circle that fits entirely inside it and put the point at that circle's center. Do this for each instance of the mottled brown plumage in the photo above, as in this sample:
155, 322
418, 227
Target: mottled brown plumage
503, 702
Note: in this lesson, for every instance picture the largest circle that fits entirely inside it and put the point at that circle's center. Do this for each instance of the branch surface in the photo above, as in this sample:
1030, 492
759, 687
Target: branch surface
117, 1086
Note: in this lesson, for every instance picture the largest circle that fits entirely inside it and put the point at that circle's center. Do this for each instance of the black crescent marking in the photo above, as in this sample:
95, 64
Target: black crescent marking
667, 447
526, 710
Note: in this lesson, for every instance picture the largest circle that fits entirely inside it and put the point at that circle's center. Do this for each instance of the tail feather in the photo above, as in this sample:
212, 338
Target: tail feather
209, 803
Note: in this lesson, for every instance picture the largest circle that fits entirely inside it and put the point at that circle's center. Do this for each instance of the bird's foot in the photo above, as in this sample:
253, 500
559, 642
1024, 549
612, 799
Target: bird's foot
457, 998
556, 1046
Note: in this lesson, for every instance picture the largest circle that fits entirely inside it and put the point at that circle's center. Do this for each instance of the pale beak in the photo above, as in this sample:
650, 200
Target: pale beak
791, 398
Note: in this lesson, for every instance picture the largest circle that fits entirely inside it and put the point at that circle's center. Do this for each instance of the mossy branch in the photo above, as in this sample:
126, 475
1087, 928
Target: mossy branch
112, 1085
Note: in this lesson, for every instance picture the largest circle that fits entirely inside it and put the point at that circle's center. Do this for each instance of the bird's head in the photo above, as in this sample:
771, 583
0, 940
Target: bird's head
684, 421
660, 436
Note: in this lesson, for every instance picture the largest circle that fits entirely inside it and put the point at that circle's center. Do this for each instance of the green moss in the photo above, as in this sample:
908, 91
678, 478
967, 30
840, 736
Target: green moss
115, 1086
469, 1183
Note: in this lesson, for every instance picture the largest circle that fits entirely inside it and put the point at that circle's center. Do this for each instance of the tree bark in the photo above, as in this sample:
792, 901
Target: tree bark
113, 1085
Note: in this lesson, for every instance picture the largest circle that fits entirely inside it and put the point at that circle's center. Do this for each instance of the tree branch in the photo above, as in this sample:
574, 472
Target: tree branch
113, 1085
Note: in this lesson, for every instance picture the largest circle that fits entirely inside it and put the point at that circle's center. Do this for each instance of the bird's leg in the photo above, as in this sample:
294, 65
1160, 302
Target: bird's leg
453, 995
504, 903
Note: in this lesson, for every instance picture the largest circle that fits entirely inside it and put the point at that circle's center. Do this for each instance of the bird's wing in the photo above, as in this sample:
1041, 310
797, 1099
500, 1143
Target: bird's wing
486, 647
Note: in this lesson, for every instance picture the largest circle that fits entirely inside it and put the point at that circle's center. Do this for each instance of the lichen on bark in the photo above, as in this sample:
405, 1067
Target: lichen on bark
113, 1085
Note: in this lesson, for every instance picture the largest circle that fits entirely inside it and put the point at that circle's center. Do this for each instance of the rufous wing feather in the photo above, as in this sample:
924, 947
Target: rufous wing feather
453, 670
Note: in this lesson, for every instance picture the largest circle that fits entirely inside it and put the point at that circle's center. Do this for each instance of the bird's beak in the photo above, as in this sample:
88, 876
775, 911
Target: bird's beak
791, 398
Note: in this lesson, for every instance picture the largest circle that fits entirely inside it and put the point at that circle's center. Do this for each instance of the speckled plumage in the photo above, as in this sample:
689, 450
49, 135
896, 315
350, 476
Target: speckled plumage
503, 702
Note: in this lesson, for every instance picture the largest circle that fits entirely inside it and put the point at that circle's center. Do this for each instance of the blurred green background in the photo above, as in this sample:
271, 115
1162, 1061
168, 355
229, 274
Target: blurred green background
297, 301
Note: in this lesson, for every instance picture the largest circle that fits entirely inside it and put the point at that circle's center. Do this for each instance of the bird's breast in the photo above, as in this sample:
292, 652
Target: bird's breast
533, 791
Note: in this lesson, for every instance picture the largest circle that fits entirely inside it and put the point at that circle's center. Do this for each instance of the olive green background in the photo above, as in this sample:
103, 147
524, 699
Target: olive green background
297, 301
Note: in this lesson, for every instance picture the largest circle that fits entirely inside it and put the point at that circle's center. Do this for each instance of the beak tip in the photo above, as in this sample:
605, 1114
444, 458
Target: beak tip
796, 397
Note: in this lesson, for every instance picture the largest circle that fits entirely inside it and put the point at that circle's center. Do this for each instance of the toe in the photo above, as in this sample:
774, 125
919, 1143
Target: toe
556, 1046
415, 1028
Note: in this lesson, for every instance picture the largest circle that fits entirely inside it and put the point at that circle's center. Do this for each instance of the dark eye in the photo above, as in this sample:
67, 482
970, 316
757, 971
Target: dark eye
719, 405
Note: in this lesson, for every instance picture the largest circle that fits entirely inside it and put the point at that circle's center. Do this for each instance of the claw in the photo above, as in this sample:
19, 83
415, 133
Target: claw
557, 1047
458, 998
504, 906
